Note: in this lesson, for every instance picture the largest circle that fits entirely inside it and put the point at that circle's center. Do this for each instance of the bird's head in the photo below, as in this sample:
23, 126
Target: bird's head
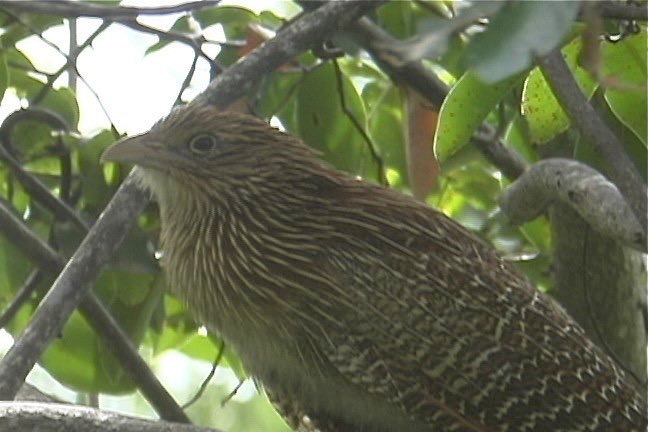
200, 148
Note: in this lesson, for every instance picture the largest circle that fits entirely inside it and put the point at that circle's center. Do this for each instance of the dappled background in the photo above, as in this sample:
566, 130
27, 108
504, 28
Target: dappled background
93, 76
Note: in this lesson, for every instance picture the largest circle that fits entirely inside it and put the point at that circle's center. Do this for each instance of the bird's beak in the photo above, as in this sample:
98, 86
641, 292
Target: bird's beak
138, 150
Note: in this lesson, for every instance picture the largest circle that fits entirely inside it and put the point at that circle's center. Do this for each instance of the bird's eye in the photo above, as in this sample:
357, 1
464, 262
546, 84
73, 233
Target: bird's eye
203, 144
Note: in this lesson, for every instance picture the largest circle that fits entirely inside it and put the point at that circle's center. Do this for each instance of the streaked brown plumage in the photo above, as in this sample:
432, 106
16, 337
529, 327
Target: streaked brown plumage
356, 305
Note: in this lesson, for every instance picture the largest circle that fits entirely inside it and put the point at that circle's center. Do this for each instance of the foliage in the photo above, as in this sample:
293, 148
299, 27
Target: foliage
350, 110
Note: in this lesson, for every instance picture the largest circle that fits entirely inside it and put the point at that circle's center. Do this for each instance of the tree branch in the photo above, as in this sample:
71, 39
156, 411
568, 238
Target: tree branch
97, 316
623, 10
602, 285
304, 33
30, 393
75, 9
51, 417
32, 185
581, 187
621, 169
70, 287
380, 46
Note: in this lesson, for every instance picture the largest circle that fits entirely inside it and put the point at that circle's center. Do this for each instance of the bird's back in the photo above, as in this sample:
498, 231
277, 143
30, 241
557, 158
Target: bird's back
453, 334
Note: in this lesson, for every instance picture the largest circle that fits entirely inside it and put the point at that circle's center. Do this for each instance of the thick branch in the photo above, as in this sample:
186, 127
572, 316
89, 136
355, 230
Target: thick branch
621, 169
603, 287
44, 417
623, 10
75, 9
581, 187
302, 34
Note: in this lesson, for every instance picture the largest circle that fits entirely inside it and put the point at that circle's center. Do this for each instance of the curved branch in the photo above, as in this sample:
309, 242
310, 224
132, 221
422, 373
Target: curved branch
621, 169
53, 417
32, 185
581, 187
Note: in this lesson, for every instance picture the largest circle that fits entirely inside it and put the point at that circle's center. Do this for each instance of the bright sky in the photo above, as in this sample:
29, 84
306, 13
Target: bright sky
136, 90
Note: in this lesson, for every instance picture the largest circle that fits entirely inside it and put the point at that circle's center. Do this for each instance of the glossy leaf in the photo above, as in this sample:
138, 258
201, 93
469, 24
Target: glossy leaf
385, 119
234, 19
520, 32
464, 109
323, 125
4, 75
544, 115
96, 190
624, 68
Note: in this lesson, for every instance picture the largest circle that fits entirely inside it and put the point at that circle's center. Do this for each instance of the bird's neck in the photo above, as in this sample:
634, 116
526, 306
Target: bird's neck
215, 248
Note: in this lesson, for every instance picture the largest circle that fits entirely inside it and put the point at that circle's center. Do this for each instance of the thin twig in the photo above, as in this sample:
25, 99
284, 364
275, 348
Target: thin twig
231, 394
193, 41
32, 185
22, 296
187, 80
380, 165
210, 375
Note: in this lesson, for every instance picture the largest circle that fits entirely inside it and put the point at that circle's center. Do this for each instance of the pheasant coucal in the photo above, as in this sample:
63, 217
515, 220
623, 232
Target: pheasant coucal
358, 308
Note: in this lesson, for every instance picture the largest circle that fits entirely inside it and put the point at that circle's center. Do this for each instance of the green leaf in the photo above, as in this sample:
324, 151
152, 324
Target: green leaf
520, 32
234, 19
14, 269
25, 85
96, 192
386, 126
181, 25
63, 102
543, 113
397, 18
538, 232
31, 137
80, 359
29, 24
278, 97
322, 124
464, 109
624, 62
4, 75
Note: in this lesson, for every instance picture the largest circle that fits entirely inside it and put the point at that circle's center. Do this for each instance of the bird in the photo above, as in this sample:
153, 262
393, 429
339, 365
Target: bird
356, 307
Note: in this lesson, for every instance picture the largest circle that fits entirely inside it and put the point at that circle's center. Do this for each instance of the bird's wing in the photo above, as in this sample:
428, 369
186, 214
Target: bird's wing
456, 338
